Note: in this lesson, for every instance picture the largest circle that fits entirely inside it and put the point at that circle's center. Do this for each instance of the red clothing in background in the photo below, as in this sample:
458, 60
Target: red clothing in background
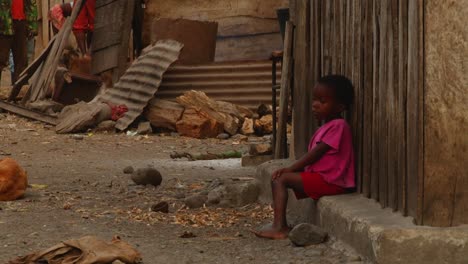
17, 10
85, 19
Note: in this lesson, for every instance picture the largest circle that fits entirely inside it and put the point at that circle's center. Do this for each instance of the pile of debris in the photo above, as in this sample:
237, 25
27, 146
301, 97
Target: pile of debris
196, 115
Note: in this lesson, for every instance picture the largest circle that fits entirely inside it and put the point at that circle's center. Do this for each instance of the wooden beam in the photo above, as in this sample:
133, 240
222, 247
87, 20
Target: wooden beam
286, 75
21, 111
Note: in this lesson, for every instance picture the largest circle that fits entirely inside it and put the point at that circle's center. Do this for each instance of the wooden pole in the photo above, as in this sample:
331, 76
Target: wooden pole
286, 74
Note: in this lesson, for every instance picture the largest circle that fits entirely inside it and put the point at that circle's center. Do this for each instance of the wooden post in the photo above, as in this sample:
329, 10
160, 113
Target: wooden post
286, 74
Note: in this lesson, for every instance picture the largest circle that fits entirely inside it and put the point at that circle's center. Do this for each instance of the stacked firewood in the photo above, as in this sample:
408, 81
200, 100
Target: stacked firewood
196, 115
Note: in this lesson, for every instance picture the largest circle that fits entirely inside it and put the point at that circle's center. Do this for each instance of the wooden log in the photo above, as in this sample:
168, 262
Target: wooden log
81, 116
286, 75
264, 110
163, 113
222, 112
247, 127
197, 125
264, 125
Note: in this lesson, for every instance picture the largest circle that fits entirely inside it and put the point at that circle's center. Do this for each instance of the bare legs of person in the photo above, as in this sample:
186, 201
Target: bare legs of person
279, 187
81, 41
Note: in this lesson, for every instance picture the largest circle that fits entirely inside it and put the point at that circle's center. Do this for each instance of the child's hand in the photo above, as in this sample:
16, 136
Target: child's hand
276, 174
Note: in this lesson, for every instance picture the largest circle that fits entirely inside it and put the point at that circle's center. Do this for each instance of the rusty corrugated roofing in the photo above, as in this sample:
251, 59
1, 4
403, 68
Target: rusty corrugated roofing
245, 83
141, 81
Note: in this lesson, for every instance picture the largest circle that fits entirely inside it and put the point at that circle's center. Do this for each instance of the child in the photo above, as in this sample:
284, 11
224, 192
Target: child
328, 167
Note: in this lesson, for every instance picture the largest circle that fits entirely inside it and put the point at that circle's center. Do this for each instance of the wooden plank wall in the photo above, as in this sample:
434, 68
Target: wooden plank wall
377, 44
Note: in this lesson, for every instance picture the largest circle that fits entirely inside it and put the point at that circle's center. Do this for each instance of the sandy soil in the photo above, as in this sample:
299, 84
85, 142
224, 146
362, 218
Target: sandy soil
78, 189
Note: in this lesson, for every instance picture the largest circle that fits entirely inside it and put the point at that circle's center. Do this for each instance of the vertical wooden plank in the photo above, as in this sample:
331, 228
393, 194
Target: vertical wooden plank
286, 76
326, 37
421, 113
356, 72
401, 119
302, 90
367, 80
375, 101
392, 106
337, 37
45, 22
316, 40
382, 111
126, 29
343, 57
413, 110
292, 11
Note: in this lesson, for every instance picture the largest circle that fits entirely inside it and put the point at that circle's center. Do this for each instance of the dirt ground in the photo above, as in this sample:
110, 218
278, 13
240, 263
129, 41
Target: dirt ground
78, 188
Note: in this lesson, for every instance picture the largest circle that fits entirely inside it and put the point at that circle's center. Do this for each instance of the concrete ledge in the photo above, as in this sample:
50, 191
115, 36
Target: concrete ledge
379, 234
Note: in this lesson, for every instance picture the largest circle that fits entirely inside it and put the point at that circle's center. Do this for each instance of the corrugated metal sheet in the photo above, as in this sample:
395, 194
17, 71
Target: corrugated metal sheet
244, 83
141, 81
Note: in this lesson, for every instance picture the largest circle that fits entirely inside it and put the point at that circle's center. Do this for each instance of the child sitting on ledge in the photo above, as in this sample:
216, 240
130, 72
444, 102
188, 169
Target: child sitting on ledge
328, 167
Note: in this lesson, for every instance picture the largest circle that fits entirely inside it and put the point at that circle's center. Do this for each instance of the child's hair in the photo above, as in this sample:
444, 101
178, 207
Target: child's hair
344, 90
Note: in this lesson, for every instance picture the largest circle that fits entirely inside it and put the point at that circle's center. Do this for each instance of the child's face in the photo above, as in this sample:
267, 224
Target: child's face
324, 103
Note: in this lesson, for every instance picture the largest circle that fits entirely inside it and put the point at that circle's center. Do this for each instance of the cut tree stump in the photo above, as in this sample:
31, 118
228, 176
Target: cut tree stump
197, 125
163, 113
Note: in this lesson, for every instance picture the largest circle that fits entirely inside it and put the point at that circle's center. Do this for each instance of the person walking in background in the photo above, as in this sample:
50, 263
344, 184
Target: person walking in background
18, 23
83, 28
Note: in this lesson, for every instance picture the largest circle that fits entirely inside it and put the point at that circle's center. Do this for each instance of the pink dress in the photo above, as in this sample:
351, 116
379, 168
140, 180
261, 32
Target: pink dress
334, 172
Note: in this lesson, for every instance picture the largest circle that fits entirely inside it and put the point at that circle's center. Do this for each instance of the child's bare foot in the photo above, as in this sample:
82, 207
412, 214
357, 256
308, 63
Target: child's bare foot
273, 233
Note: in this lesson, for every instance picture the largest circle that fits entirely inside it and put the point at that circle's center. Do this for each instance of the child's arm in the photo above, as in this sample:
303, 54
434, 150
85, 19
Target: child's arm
309, 158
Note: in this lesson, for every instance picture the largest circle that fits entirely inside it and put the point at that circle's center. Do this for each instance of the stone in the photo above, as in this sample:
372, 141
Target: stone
147, 176
260, 149
106, 126
179, 195
174, 134
77, 137
216, 195
128, 170
239, 137
307, 234
245, 193
144, 128
195, 201
247, 127
162, 207
251, 161
223, 136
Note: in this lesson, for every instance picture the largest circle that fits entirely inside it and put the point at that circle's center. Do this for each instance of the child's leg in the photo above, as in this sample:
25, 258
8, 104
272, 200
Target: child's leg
279, 188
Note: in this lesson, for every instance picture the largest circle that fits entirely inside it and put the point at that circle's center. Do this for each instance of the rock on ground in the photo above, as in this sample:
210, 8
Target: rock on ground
106, 126
147, 176
223, 136
195, 201
128, 170
144, 128
307, 234
234, 195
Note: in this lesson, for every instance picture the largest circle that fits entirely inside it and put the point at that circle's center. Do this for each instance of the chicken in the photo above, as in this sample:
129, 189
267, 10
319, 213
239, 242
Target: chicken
13, 180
